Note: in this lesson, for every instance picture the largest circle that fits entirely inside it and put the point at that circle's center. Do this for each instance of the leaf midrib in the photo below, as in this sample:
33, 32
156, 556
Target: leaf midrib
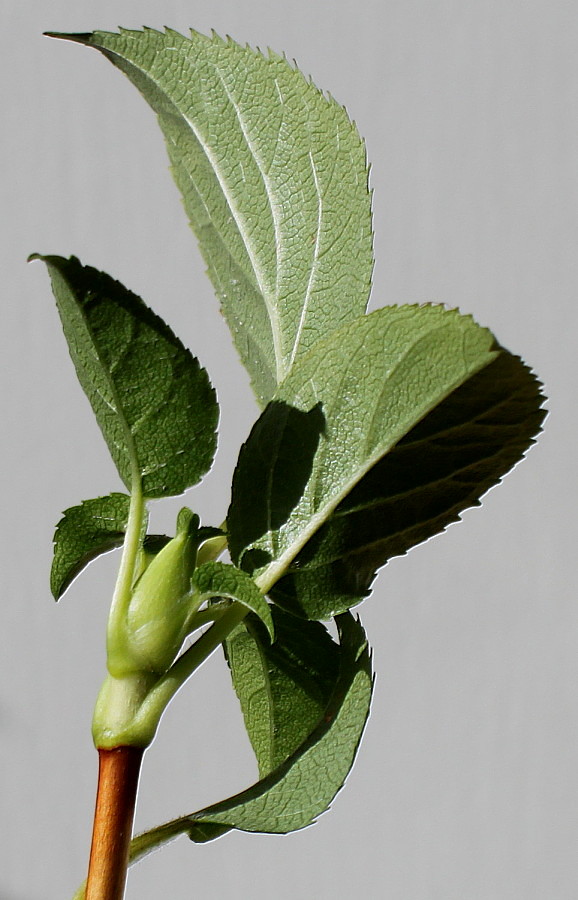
136, 476
314, 264
238, 218
274, 207
278, 567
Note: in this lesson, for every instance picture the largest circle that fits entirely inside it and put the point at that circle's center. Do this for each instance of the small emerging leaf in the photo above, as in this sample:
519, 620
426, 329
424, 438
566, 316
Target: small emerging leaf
85, 532
218, 579
283, 687
160, 606
153, 401
274, 180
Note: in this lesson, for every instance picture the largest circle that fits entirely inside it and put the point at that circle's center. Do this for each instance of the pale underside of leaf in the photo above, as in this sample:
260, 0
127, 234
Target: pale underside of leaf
274, 180
441, 467
361, 390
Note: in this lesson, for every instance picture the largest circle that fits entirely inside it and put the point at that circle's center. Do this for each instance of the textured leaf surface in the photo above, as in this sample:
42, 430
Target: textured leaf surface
153, 401
302, 787
218, 579
274, 180
85, 532
443, 466
283, 687
362, 390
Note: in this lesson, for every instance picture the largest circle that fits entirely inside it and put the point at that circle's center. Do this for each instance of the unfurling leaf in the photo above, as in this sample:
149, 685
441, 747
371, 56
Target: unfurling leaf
153, 401
85, 532
162, 605
218, 579
274, 180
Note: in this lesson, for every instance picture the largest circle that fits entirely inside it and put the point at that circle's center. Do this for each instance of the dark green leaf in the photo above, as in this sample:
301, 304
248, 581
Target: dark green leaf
153, 401
304, 785
218, 579
443, 466
274, 180
85, 532
283, 687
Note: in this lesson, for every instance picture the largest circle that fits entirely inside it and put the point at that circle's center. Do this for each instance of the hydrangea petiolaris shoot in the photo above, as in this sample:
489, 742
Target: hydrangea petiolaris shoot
376, 431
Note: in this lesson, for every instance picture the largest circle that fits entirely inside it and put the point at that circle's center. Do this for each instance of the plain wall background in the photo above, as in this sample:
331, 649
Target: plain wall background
465, 785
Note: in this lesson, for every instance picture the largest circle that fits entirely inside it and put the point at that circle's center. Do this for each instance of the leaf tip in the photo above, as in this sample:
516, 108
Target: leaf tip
78, 38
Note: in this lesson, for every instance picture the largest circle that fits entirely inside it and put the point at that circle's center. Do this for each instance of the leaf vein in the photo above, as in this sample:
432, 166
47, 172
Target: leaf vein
314, 263
270, 296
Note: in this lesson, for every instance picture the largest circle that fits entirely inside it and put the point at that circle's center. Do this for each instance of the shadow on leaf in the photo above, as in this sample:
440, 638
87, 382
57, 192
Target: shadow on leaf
274, 467
441, 467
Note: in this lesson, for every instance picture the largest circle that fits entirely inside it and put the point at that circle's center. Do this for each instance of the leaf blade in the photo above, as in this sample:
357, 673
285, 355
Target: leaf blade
152, 399
85, 532
440, 468
220, 579
283, 687
264, 183
303, 787
372, 382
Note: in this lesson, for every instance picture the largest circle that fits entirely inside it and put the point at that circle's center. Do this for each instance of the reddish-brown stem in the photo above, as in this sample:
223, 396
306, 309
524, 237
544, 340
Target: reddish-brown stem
118, 774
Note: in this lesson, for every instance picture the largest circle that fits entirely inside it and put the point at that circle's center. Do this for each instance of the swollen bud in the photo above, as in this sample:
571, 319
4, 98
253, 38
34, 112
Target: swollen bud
162, 603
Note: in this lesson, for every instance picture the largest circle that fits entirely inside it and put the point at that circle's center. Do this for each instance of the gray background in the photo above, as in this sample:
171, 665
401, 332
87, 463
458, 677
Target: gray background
465, 785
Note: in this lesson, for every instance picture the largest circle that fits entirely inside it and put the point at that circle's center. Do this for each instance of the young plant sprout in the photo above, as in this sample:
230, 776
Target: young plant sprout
376, 431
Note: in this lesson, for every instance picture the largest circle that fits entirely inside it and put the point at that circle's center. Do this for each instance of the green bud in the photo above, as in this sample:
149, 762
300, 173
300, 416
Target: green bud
152, 545
162, 603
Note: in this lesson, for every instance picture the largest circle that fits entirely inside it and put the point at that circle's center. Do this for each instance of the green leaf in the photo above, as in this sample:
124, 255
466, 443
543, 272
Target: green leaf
441, 467
274, 180
218, 579
85, 532
153, 401
362, 390
304, 785
283, 687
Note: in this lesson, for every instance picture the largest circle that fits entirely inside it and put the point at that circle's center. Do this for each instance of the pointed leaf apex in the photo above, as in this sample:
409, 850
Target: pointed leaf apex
78, 38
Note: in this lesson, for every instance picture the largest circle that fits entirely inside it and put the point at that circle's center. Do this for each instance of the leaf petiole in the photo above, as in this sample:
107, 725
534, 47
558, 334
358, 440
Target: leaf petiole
116, 630
154, 704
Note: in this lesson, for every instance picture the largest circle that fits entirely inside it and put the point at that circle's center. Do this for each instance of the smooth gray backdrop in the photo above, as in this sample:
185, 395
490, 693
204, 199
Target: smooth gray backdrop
465, 787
